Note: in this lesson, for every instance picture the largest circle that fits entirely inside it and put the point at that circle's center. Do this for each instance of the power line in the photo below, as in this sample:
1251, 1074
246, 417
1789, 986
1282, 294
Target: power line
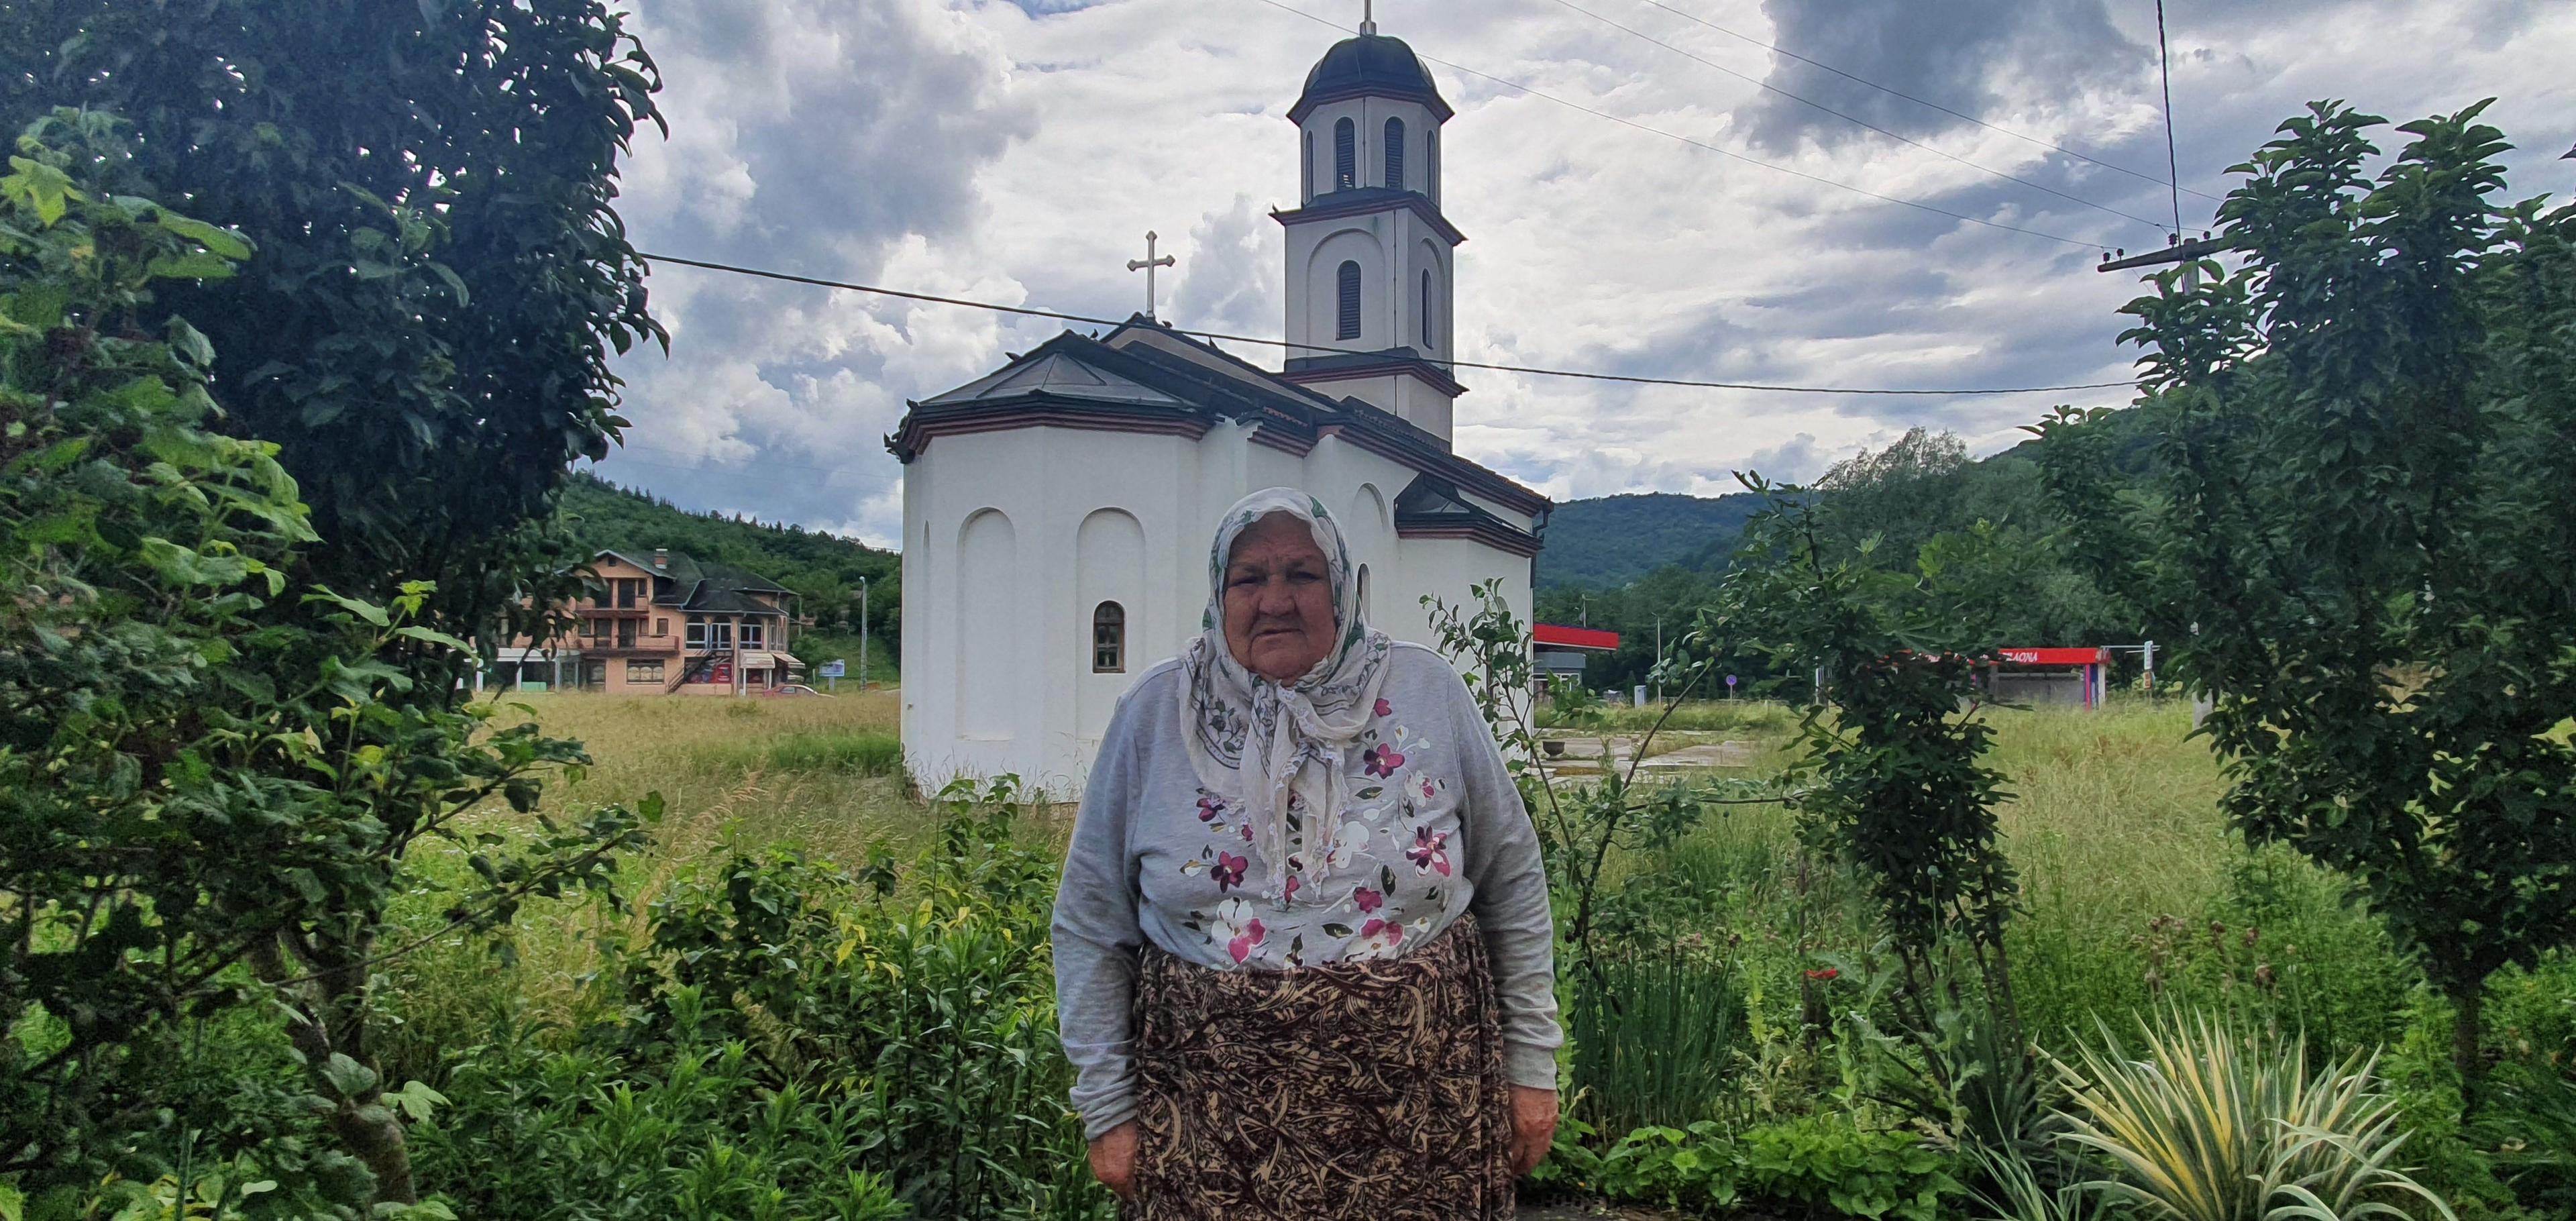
1862, 80
1703, 144
1028, 311
1938, 152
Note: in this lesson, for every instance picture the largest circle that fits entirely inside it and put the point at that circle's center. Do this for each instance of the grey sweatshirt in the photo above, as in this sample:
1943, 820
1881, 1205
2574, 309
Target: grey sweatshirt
1436, 828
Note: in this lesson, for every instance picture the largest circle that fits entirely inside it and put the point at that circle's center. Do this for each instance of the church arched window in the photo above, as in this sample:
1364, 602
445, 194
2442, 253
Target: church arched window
1346, 155
1395, 154
1426, 311
1109, 639
1306, 169
1364, 598
1349, 284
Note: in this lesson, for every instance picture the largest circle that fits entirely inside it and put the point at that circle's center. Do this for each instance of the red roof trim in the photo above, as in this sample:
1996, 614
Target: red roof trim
1564, 637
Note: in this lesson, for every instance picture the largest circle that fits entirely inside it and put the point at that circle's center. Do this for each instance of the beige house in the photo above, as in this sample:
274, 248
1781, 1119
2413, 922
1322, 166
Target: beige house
664, 625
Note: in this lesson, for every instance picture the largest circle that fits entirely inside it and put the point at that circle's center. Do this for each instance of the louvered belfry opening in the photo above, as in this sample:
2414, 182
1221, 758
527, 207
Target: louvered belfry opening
1395, 154
1350, 301
1346, 155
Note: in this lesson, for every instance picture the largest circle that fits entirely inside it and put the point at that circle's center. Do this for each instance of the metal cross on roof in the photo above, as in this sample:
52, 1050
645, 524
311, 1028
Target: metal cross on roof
1147, 265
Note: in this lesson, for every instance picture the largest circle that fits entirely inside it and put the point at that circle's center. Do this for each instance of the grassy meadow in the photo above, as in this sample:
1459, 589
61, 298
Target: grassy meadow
1726, 940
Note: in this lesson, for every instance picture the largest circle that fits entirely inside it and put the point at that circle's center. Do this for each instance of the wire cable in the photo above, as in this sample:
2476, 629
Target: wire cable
1032, 312
1703, 144
1777, 49
1855, 119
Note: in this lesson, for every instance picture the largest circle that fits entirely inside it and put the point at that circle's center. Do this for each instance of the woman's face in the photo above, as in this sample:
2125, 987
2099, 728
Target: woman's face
1278, 599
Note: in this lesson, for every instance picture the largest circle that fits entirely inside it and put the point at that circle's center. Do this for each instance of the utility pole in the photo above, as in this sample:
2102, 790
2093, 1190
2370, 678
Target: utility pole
1659, 659
863, 633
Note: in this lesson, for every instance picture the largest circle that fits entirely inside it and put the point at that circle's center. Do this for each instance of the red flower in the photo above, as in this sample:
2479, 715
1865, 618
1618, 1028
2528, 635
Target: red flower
1228, 871
1368, 900
1826, 973
1385, 709
1382, 760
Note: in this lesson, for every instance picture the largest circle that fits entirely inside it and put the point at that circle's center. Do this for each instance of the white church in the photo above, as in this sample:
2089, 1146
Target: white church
1057, 512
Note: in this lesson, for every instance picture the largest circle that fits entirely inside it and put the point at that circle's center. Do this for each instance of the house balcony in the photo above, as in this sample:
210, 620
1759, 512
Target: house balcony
588, 611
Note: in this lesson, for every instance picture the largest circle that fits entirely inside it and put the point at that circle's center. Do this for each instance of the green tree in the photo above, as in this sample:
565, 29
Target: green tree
192, 782
442, 277
2361, 546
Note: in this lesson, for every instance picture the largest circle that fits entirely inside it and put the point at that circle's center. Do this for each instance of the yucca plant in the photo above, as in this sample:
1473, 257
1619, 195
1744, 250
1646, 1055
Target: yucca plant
2221, 1123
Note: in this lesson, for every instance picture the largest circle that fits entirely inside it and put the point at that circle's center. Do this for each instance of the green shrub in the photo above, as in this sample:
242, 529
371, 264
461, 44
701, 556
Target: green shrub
1822, 1162
901, 1024
687, 1129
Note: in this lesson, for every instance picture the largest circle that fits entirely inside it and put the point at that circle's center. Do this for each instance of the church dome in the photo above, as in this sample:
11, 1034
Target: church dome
1370, 65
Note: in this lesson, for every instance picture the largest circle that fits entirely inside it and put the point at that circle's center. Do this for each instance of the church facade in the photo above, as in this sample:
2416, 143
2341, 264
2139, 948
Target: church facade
1057, 512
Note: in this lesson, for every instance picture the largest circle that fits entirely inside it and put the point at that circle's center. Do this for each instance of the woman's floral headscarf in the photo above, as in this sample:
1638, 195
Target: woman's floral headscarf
1277, 750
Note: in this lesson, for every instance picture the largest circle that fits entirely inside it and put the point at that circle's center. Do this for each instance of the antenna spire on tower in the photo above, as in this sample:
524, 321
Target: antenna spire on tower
1368, 16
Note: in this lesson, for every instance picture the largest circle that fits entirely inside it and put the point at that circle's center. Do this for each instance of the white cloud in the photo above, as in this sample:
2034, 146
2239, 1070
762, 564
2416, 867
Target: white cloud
1017, 152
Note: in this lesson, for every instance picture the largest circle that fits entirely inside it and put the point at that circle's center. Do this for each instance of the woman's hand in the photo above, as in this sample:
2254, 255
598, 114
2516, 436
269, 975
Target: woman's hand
1533, 1129
1113, 1155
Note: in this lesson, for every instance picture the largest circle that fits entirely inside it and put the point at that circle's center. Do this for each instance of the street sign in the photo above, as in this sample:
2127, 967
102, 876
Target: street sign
835, 668
1730, 686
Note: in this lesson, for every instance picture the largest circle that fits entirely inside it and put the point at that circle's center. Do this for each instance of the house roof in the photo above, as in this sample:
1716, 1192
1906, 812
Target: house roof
706, 586
1145, 377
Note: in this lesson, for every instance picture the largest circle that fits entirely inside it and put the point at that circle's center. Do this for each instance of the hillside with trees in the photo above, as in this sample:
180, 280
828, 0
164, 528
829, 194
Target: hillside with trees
1920, 505
825, 569
1607, 541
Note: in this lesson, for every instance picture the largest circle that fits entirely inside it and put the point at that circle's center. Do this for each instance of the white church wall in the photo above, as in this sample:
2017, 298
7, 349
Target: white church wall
1109, 571
1449, 568
987, 560
1431, 323
1359, 242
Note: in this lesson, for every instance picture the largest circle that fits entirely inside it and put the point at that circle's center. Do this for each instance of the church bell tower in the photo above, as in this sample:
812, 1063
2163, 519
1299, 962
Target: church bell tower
1370, 257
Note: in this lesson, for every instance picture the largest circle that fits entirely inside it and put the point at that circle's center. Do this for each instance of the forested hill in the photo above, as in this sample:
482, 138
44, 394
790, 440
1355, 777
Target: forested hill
825, 568
1609, 541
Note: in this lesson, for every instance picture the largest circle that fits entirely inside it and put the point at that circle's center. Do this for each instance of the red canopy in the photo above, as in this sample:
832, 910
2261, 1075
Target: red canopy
1557, 635
2052, 657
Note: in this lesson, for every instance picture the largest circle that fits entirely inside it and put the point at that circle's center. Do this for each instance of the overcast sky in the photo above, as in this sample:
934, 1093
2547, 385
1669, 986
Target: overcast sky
1017, 152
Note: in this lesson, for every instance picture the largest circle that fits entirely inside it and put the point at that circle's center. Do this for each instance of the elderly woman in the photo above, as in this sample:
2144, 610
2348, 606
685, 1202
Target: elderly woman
1303, 949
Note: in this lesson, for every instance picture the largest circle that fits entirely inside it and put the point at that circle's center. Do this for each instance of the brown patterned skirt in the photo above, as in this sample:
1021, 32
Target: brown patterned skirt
1367, 1090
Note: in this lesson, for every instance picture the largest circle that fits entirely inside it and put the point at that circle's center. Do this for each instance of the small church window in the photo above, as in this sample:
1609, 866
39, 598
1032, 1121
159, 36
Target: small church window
1395, 154
1109, 639
1364, 598
1350, 302
1346, 155
1306, 171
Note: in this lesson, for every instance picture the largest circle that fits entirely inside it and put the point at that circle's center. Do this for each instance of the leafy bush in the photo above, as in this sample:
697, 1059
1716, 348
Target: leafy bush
1816, 1163
783, 1012
2220, 1123
688, 1129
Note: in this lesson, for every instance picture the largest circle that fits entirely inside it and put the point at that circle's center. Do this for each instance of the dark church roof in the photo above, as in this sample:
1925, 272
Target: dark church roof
1074, 381
1371, 65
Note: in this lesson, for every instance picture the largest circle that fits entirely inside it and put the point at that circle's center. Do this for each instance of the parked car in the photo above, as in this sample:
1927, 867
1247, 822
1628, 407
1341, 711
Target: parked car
795, 689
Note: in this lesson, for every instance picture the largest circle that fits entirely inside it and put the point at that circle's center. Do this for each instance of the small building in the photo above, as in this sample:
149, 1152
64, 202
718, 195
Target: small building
2049, 676
1560, 650
669, 624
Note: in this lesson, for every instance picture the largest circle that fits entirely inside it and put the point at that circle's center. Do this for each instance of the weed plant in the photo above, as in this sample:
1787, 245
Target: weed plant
1657, 1031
